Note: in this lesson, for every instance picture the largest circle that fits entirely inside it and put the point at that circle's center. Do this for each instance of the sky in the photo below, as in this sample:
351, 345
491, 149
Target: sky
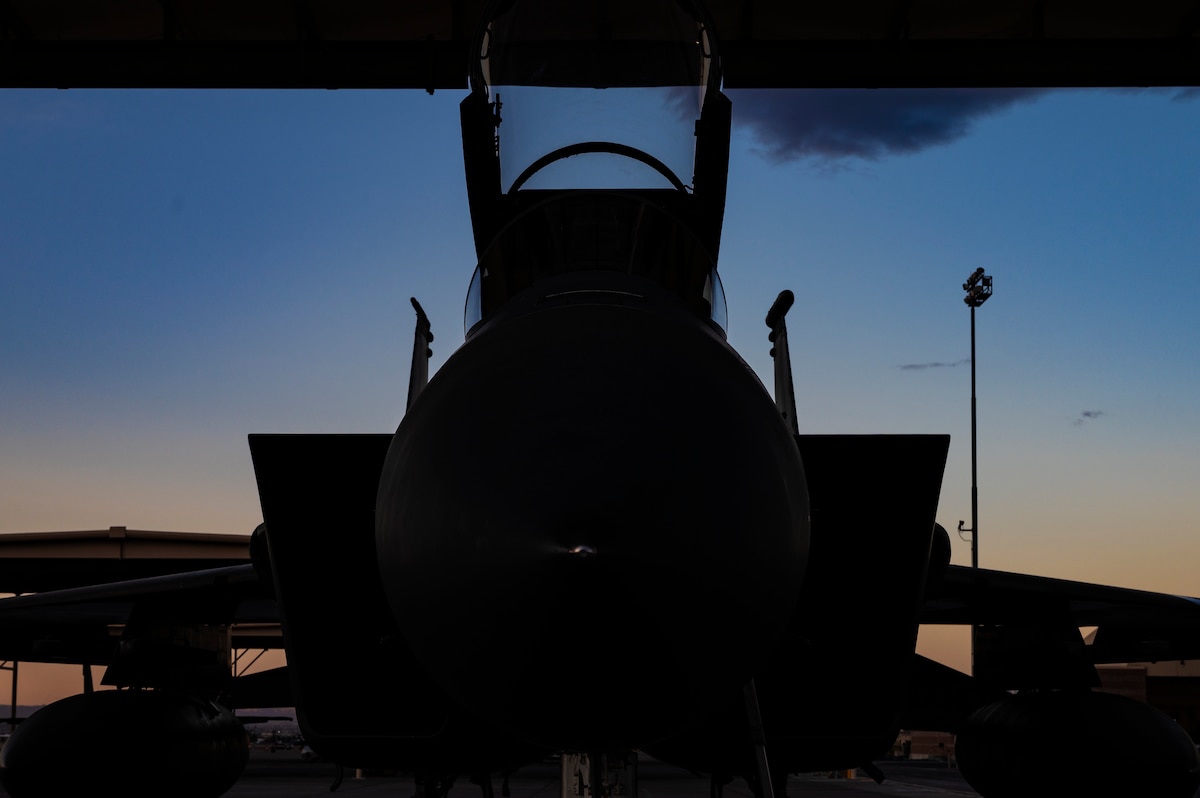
180, 269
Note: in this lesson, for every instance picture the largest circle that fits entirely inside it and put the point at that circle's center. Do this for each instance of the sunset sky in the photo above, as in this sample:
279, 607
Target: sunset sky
180, 269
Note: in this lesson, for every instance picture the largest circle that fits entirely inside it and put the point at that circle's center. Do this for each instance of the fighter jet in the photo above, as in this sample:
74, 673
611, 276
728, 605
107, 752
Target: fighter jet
595, 531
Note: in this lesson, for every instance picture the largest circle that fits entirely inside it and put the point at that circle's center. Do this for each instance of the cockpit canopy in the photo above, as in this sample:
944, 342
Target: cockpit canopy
571, 100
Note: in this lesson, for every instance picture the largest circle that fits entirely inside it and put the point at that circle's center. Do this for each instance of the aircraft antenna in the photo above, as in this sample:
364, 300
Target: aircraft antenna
418, 373
785, 392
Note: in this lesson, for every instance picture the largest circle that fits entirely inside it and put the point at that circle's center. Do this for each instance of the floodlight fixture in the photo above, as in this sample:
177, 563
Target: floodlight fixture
978, 287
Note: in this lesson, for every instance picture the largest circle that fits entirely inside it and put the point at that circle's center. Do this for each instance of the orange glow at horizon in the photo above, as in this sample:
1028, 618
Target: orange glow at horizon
949, 645
41, 683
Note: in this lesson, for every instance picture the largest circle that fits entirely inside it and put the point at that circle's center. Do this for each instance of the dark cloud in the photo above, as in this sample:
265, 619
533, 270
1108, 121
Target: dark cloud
934, 365
1087, 415
832, 124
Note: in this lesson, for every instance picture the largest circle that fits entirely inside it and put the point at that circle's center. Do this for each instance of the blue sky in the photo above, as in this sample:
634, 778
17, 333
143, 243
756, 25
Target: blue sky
180, 269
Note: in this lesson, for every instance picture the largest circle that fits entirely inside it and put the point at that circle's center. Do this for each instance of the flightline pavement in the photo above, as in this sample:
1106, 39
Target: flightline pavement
284, 775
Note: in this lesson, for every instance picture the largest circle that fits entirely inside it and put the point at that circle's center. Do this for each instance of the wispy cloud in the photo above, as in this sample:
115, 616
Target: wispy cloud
1087, 415
1177, 94
937, 364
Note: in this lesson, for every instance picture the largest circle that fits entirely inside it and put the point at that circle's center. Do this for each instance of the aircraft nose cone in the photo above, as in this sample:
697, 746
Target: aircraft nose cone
592, 526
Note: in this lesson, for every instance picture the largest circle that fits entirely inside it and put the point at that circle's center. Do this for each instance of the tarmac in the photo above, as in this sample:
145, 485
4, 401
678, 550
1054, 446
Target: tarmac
283, 775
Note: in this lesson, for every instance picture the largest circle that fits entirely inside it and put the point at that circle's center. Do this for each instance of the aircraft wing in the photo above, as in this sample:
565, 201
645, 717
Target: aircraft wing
78, 591
230, 593
156, 618
1024, 615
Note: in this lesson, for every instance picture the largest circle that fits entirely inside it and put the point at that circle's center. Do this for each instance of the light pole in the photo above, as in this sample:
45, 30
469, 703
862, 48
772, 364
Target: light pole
979, 288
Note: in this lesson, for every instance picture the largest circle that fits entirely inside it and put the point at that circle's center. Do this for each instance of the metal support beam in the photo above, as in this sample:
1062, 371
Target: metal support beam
12, 715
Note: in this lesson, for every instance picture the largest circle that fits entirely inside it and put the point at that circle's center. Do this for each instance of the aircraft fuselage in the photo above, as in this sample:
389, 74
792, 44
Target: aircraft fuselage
594, 501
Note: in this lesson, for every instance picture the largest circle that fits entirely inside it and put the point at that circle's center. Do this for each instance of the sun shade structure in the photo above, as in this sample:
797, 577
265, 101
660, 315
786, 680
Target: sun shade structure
766, 43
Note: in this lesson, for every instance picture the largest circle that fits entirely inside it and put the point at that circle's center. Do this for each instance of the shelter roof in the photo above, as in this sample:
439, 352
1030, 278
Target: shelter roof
424, 44
33, 562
